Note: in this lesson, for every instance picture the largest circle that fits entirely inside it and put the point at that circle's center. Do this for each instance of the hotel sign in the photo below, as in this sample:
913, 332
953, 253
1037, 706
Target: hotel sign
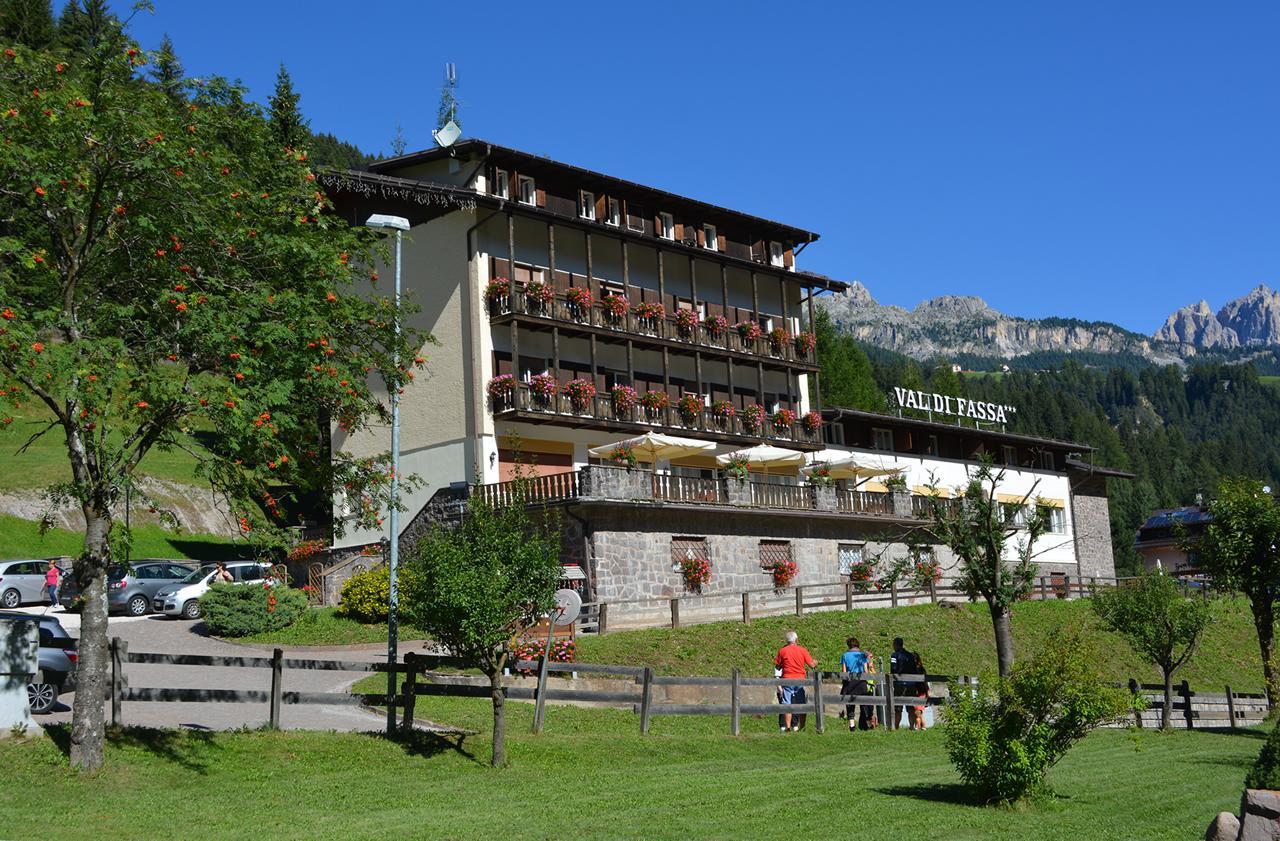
960, 407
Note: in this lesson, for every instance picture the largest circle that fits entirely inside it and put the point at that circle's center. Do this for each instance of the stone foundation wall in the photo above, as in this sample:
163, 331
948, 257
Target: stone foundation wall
1092, 521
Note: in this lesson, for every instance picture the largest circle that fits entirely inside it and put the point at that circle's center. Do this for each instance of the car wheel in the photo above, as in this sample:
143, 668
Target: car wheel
191, 610
137, 606
41, 696
11, 598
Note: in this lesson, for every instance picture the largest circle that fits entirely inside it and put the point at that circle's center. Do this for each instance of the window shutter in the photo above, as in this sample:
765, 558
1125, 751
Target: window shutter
758, 250
679, 231
600, 208
657, 225
513, 185
788, 258
540, 196
720, 242
702, 237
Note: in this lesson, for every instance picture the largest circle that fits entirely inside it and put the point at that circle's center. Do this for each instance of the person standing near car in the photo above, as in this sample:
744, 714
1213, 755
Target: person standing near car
221, 575
52, 577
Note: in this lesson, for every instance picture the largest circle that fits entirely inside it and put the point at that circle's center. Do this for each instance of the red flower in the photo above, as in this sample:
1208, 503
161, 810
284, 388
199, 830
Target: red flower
39, 191
93, 378
331, 297
37, 347
159, 252
120, 210
239, 376
59, 67
179, 287
180, 307
230, 404
12, 112
342, 258
142, 404
38, 258
7, 315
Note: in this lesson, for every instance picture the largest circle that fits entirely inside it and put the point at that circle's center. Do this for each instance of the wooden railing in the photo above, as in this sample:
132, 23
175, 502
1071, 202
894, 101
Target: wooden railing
551, 487
687, 489
781, 496
864, 502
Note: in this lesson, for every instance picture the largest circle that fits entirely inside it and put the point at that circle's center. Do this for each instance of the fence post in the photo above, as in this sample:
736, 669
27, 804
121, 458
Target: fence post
1044, 589
675, 611
735, 705
818, 712
410, 689
848, 595
603, 620
933, 592
277, 675
891, 720
117, 679
1137, 714
799, 600
1066, 587
646, 696
539, 694
893, 594
1231, 707
746, 608
1187, 714
1093, 586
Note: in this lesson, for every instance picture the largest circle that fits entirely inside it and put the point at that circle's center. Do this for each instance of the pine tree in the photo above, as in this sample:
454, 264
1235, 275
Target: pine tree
27, 22
168, 73
85, 25
398, 144
287, 125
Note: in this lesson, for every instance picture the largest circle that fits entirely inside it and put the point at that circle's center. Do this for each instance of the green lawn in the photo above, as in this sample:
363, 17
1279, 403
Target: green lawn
22, 539
950, 640
323, 626
591, 775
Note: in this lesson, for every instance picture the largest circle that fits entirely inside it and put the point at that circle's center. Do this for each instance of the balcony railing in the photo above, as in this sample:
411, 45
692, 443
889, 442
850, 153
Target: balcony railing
552, 487
866, 502
704, 334
670, 488
602, 407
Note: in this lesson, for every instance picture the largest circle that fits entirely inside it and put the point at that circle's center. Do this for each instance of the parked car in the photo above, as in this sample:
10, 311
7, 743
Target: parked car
183, 599
57, 662
22, 581
129, 589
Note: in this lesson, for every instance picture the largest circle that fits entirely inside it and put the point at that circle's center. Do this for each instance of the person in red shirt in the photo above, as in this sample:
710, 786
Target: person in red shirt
793, 659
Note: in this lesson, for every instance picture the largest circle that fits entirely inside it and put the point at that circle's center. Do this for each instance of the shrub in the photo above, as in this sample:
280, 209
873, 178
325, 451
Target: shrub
1004, 736
1265, 772
238, 610
365, 595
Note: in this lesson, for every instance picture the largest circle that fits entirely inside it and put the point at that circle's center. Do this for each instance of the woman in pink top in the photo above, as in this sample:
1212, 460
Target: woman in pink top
51, 579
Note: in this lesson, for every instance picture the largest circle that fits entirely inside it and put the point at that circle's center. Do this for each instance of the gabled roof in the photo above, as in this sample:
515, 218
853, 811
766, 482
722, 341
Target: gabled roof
1166, 518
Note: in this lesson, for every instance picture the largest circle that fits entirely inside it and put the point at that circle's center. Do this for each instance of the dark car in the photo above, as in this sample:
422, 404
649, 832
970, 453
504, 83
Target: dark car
57, 662
129, 589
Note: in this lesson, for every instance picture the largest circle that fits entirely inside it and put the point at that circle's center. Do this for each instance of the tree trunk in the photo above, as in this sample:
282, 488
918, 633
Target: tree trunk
87, 715
1166, 712
1264, 624
499, 719
1002, 623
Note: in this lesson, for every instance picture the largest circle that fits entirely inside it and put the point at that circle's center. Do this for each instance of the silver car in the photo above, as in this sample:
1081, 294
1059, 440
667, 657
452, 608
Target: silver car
183, 599
129, 589
57, 662
22, 581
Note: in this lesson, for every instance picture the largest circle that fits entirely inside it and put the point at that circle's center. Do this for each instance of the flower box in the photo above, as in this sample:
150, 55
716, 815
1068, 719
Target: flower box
716, 326
686, 322
783, 572
783, 419
696, 572
624, 400
753, 418
690, 407
497, 293
778, 338
502, 388
615, 307
579, 300
748, 331
581, 393
812, 422
538, 296
543, 387
806, 343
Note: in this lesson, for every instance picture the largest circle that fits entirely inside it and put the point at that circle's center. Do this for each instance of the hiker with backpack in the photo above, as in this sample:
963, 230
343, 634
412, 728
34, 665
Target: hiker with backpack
855, 664
903, 662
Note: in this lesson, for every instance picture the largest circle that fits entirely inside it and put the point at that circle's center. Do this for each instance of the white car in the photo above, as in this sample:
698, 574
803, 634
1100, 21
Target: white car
183, 599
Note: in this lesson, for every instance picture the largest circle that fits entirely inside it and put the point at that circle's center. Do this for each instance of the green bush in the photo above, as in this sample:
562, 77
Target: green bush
237, 610
1265, 772
365, 595
1004, 737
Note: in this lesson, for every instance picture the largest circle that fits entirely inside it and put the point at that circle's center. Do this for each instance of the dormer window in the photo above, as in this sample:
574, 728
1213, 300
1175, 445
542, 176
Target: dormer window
614, 215
668, 225
775, 254
528, 193
709, 237
500, 179
587, 205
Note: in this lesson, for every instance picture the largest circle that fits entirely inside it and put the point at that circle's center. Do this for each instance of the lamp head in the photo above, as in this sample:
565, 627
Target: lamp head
382, 220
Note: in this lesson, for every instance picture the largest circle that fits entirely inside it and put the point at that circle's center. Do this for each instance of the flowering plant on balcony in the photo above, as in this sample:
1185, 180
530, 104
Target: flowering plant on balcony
748, 330
778, 338
655, 401
716, 326
783, 419
539, 295
624, 399
696, 571
690, 407
623, 456
686, 321
896, 483
812, 421
497, 290
581, 392
650, 310
307, 549
861, 574
502, 387
543, 387
783, 572
925, 573
821, 477
753, 417
722, 410
615, 306
579, 300
737, 468
806, 343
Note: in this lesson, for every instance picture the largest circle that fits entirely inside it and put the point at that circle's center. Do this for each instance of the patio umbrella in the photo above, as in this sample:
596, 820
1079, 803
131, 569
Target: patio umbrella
849, 466
765, 456
654, 445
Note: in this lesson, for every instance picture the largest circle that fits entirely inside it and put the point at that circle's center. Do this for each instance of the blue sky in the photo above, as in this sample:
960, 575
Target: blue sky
1101, 160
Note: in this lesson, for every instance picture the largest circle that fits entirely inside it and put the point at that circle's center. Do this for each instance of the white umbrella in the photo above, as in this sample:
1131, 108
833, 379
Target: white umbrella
763, 455
653, 445
850, 466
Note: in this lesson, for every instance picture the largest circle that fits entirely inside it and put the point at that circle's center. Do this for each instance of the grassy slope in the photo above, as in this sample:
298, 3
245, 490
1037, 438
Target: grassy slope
22, 539
590, 775
951, 641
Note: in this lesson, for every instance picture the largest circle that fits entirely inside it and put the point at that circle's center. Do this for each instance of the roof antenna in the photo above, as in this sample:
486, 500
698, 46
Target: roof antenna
447, 117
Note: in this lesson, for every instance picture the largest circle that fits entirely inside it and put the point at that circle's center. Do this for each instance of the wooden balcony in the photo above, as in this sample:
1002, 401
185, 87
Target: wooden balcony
658, 331
601, 412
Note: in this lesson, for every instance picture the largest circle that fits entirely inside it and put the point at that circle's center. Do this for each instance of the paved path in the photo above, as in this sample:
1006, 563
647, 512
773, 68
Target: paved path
160, 635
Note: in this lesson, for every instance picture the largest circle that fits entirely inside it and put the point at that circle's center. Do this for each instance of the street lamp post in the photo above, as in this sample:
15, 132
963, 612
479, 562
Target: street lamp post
399, 224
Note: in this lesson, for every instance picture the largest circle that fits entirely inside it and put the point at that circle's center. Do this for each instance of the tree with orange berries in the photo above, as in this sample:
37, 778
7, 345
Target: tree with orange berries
164, 269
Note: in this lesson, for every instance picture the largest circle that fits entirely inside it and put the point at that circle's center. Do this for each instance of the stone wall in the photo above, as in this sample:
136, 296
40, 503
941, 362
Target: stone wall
1092, 523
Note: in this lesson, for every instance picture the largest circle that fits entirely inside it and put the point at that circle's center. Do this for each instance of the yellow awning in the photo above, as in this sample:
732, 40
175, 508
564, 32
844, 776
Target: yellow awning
925, 490
1014, 499
1050, 503
874, 487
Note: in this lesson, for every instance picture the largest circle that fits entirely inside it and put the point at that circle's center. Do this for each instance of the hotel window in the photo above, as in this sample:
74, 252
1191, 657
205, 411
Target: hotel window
1015, 515
773, 551
931, 447
1055, 518
614, 216
686, 549
668, 226
709, 237
882, 439
500, 183
775, 254
849, 554
528, 193
1009, 455
635, 216
1047, 462
587, 205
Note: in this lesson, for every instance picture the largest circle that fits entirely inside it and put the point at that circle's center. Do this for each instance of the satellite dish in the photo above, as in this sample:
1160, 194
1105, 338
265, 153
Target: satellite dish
447, 135
568, 606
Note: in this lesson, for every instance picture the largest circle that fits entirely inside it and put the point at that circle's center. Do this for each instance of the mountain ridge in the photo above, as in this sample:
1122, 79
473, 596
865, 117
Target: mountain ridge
1252, 320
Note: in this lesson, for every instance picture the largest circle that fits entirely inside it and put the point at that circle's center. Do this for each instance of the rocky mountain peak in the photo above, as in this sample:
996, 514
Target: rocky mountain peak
1252, 319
